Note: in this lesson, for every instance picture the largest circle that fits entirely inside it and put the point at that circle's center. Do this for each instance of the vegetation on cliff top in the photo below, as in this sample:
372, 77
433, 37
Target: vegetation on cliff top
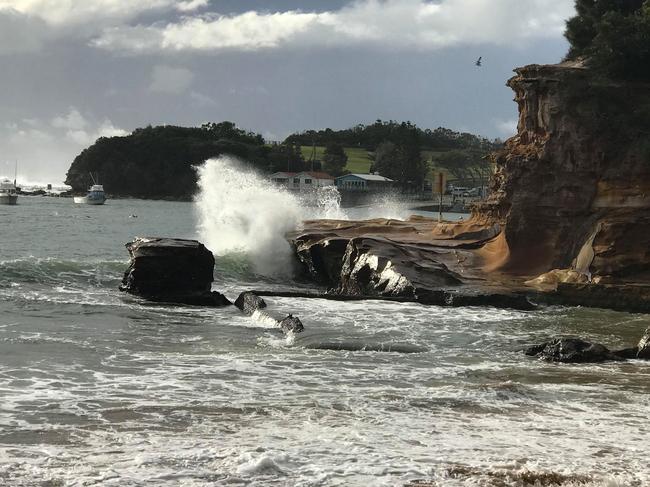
613, 36
157, 162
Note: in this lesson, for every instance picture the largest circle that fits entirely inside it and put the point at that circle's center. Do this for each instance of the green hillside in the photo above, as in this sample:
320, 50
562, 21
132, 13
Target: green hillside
358, 160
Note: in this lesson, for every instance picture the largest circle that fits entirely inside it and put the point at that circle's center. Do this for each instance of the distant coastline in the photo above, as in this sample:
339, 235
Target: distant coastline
158, 162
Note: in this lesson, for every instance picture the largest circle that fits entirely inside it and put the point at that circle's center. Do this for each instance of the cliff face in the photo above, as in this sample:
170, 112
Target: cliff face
567, 221
572, 188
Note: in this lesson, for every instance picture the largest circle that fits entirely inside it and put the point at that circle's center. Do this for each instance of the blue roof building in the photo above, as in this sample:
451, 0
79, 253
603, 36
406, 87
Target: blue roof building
363, 182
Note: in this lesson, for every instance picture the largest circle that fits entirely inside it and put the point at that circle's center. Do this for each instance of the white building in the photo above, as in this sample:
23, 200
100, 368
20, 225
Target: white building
363, 182
302, 181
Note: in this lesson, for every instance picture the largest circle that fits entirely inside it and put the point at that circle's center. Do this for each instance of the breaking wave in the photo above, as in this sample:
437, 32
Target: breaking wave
241, 211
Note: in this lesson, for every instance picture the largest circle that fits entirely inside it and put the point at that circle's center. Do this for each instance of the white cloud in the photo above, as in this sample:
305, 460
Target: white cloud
26, 25
60, 12
44, 147
391, 23
106, 129
168, 79
72, 120
190, 5
507, 128
79, 130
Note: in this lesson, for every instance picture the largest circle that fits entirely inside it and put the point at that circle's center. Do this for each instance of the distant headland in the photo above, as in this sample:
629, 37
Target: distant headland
157, 162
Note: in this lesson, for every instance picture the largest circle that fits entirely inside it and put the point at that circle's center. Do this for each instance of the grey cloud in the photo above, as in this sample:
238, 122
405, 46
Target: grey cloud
395, 23
296, 85
169, 79
20, 33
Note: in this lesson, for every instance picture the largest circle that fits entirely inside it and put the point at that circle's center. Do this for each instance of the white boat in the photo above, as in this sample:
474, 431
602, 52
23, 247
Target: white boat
8, 195
95, 196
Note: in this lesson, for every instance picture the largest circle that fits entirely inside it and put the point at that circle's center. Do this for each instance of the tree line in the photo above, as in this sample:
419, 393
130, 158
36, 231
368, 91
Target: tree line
157, 162
370, 136
398, 150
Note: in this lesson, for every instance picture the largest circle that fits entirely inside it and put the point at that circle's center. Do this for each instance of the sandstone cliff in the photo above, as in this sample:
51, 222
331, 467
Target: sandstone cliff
570, 200
572, 188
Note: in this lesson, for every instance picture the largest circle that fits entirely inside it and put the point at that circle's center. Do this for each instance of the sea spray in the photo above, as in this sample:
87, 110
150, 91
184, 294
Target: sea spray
328, 204
240, 211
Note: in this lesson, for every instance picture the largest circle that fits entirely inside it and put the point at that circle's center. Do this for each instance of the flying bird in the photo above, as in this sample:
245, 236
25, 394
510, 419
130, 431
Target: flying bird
478, 61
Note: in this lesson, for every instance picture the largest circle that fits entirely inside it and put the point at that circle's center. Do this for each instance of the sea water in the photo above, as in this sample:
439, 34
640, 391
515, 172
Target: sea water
101, 388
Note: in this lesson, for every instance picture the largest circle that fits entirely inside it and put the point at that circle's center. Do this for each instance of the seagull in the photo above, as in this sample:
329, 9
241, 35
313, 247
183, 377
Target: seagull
478, 61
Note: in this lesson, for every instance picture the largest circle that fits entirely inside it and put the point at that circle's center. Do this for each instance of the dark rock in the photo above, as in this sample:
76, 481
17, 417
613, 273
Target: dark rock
497, 300
322, 257
291, 324
171, 270
572, 350
632, 298
359, 346
626, 353
249, 302
376, 266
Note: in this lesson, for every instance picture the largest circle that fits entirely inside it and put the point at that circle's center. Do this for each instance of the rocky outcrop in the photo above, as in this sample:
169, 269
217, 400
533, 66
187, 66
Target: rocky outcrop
572, 188
171, 270
567, 220
415, 260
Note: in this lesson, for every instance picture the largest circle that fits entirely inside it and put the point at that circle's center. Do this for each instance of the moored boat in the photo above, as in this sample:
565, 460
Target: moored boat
8, 195
95, 196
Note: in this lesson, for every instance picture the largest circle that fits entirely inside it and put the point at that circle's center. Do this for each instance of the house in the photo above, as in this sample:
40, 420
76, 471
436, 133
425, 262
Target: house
282, 178
363, 182
302, 181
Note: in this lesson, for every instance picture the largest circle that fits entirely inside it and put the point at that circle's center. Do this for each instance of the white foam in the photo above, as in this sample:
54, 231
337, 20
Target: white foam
239, 210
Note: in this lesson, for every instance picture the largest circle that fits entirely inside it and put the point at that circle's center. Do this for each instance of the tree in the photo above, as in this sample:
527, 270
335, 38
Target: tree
334, 159
285, 157
467, 166
387, 160
613, 36
402, 163
157, 162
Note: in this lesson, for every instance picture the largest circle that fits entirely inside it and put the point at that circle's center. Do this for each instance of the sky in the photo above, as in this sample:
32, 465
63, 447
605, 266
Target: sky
76, 70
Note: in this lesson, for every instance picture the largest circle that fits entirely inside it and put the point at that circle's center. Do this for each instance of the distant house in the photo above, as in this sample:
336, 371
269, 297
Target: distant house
282, 178
363, 182
302, 181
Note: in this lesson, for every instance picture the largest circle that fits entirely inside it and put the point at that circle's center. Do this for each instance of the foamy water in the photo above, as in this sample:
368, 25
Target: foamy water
240, 211
99, 388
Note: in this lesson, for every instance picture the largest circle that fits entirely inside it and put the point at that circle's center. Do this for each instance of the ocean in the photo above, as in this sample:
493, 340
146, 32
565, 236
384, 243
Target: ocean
101, 388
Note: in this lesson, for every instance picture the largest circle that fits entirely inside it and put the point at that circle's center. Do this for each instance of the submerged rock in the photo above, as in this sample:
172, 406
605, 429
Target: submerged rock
291, 324
171, 270
249, 302
572, 350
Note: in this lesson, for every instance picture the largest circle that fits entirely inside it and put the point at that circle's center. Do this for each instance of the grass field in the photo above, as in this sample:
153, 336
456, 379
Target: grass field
358, 160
